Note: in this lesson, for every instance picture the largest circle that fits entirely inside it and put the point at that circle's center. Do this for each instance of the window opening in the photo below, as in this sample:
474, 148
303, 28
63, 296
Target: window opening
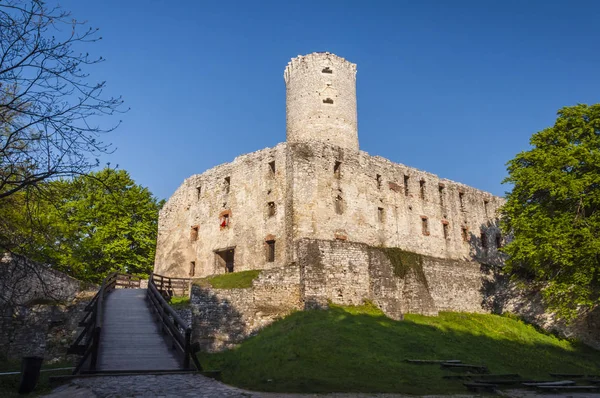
465, 234
272, 167
327, 70
225, 259
339, 205
224, 221
424, 226
498, 240
337, 169
198, 192
227, 184
485, 207
270, 251
380, 214
194, 233
192, 268
446, 228
406, 178
378, 181
422, 188
271, 209
461, 197
328, 101
484, 242
441, 191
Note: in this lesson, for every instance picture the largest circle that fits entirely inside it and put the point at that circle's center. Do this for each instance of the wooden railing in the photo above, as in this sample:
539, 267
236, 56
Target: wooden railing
88, 341
171, 324
170, 287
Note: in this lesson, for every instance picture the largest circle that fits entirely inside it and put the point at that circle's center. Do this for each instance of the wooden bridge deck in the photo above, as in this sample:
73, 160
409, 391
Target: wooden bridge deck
130, 338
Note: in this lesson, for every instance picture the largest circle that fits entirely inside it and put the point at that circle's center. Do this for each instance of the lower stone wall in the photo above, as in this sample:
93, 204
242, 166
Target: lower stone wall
39, 309
23, 281
222, 318
348, 273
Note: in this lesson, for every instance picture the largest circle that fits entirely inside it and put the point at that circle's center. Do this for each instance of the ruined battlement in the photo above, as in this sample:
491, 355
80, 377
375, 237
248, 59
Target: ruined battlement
321, 100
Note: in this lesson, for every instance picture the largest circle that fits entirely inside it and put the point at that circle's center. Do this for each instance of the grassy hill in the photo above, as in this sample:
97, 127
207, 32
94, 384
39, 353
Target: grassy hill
358, 349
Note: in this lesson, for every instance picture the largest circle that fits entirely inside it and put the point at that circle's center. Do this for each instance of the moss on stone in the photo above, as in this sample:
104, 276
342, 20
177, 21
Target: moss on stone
234, 280
403, 262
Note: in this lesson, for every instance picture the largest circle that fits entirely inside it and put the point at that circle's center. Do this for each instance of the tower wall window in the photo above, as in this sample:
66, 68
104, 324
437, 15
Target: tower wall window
270, 251
424, 225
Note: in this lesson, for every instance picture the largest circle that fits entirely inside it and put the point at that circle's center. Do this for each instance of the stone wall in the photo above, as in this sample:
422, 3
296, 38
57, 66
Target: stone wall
247, 195
350, 195
350, 273
222, 318
344, 273
23, 281
39, 309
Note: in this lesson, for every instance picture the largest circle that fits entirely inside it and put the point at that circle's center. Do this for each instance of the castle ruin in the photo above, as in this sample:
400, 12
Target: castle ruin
328, 223
249, 214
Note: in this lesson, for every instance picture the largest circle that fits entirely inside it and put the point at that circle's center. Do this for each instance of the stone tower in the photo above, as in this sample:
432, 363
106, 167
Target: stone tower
321, 100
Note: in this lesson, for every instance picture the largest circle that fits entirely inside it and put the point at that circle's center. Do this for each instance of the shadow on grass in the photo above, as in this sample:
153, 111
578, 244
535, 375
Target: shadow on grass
360, 350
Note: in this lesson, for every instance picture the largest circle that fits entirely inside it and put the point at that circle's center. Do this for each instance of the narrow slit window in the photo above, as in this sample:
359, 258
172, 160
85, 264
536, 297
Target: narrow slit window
270, 251
227, 184
485, 207
337, 169
272, 167
380, 214
194, 233
441, 191
224, 221
198, 192
446, 228
406, 178
498, 240
327, 70
328, 101
484, 242
271, 209
192, 268
378, 181
464, 232
422, 189
461, 199
424, 226
339, 205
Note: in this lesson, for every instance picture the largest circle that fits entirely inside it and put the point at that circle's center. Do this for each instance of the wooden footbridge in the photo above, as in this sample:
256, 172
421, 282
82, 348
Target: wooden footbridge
130, 329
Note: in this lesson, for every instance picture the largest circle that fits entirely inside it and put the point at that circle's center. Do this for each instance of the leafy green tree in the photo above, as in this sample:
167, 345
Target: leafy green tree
553, 211
88, 226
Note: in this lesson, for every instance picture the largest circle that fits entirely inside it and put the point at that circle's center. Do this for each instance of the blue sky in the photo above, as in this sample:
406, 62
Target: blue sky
455, 88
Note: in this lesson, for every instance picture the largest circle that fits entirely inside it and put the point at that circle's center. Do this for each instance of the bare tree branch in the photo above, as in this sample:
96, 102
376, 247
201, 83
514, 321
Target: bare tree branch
49, 108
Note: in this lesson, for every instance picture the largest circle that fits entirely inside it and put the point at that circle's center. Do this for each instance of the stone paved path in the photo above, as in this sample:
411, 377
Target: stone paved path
195, 385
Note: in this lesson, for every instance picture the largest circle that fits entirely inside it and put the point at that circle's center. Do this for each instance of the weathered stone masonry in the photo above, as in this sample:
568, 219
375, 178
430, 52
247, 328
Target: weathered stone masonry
310, 213
39, 309
247, 214
339, 272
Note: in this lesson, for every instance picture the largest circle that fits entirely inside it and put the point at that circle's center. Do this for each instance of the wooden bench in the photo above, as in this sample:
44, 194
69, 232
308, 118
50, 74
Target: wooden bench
432, 361
477, 387
568, 388
465, 367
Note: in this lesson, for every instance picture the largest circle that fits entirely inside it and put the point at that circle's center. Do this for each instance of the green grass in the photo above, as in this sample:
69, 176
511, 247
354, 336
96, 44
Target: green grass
234, 280
358, 349
179, 302
10, 384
